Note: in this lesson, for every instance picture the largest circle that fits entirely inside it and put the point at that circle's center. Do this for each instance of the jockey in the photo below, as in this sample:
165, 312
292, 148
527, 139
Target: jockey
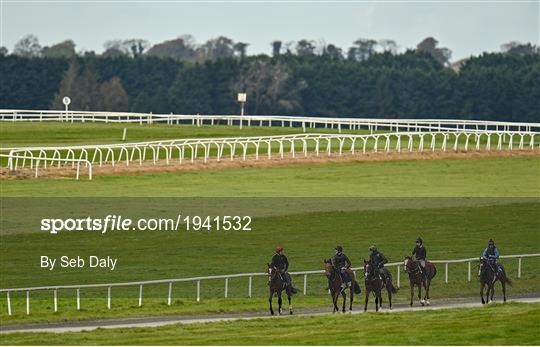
341, 263
420, 252
281, 264
491, 253
377, 260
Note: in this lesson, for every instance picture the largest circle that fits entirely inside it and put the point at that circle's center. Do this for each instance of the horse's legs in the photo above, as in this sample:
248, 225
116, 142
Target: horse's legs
389, 290
335, 296
367, 298
482, 285
377, 299
428, 284
503, 283
420, 293
412, 291
344, 295
290, 305
270, 302
279, 302
492, 291
351, 292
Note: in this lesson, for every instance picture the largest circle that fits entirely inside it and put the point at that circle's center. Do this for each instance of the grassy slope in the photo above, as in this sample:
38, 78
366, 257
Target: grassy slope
453, 177
510, 324
450, 233
459, 178
49, 134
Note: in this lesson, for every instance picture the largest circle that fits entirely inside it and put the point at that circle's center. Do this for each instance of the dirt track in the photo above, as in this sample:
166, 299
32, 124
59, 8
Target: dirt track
251, 162
167, 320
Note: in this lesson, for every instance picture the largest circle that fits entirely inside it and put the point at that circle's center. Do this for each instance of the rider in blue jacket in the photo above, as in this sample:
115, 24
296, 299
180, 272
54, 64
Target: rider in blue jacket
491, 253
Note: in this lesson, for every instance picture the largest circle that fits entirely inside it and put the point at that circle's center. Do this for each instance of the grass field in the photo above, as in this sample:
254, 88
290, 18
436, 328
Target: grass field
509, 324
487, 198
493, 177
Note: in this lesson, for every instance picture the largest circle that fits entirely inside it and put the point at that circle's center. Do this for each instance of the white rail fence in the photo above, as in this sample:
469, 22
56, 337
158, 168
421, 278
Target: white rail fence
226, 278
34, 163
272, 146
372, 124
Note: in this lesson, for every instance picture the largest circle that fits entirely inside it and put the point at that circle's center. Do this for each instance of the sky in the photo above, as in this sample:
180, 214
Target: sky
466, 27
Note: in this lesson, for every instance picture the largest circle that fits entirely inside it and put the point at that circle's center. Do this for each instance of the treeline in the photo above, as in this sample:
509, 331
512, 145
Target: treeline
363, 82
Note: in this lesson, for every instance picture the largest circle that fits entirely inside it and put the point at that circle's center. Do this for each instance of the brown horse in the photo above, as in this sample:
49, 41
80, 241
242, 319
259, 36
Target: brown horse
419, 279
488, 275
374, 284
334, 284
276, 285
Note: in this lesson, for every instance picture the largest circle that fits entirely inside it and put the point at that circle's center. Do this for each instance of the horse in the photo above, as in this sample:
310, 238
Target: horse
334, 284
488, 276
416, 278
276, 285
373, 283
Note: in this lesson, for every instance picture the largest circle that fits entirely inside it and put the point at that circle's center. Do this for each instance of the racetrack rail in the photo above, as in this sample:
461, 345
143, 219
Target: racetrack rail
141, 322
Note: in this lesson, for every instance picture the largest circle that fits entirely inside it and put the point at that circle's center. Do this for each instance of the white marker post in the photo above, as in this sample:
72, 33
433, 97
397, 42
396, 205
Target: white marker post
124, 134
66, 101
242, 100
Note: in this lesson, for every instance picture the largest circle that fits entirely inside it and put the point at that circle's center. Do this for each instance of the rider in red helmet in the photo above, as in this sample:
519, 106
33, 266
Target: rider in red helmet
281, 264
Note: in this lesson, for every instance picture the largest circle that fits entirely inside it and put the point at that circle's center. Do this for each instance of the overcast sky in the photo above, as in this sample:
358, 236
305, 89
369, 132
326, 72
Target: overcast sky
466, 27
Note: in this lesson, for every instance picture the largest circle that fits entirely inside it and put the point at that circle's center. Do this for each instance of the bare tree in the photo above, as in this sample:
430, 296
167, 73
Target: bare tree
240, 48
388, 46
276, 48
183, 48
305, 47
114, 97
64, 49
132, 47
518, 48
269, 85
28, 46
441, 55
214, 49
362, 49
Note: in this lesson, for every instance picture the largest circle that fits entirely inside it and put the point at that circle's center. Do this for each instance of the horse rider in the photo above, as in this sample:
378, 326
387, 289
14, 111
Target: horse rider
377, 260
281, 264
341, 264
491, 253
420, 252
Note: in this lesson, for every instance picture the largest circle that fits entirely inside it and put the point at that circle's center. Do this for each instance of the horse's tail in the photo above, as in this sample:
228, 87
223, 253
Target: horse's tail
356, 288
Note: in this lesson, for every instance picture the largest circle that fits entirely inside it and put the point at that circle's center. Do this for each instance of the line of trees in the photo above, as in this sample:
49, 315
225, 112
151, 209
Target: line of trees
369, 79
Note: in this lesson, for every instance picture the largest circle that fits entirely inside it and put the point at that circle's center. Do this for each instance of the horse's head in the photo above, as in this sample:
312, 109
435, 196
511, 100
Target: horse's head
368, 268
482, 264
271, 271
408, 264
328, 268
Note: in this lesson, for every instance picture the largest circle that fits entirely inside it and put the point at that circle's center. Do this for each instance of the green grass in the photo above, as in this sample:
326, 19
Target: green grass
63, 134
508, 324
308, 229
493, 177
450, 233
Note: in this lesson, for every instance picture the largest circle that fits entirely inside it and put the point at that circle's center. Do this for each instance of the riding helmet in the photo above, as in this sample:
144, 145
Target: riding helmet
339, 249
491, 242
373, 248
419, 240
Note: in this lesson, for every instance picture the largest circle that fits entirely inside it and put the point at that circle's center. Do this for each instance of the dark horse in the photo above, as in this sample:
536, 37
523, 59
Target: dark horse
372, 276
276, 285
488, 276
416, 278
334, 284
